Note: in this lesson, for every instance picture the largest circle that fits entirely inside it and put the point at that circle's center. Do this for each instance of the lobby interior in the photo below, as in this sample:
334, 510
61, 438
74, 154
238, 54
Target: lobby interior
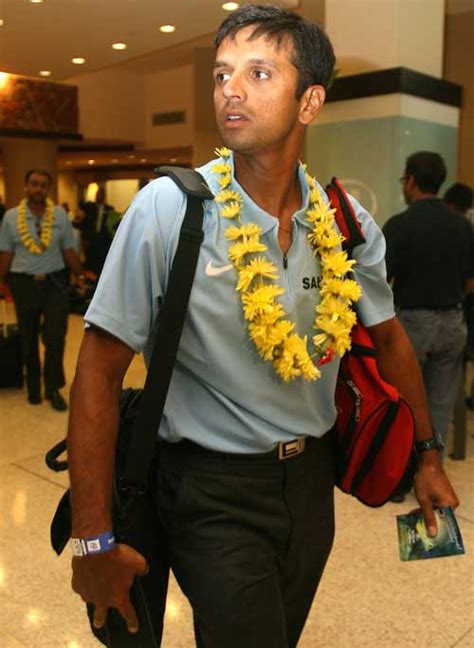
404, 82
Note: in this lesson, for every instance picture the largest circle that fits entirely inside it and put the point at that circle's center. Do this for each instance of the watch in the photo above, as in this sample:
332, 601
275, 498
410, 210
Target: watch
428, 444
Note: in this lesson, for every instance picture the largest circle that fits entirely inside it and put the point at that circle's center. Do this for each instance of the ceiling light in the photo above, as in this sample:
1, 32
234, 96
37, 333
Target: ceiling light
132, 157
3, 79
90, 161
78, 60
143, 160
45, 73
36, 1
1, 22
230, 6
119, 46
68, 162
173, 160
167, 29
114, 161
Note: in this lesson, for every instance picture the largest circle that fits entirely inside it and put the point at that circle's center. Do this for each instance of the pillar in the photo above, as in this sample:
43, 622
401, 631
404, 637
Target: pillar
205, 134
19, 156
388, 99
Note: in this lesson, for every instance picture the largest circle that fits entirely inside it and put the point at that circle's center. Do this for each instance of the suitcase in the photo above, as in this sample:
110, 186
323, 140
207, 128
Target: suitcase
11, 362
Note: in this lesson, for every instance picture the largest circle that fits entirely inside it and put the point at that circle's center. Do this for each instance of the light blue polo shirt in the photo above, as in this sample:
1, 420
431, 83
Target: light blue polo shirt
52, 258
222, 394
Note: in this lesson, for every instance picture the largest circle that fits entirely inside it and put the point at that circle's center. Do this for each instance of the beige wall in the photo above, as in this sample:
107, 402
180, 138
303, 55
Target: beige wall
459, 67
169, 91
67, 189
379, 34
111, 105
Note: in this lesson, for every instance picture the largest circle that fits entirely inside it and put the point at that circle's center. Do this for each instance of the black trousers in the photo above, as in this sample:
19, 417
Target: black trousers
249, 536
42, 306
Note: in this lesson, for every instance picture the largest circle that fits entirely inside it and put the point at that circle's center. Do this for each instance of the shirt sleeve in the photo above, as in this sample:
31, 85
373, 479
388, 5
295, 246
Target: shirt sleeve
376, 304
134, 277
68, 238
7, 243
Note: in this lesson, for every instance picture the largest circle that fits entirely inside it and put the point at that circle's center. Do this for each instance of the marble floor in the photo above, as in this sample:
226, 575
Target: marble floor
367, 598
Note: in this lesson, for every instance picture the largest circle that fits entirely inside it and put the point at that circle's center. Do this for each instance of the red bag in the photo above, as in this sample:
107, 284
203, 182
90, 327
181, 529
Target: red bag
375, 428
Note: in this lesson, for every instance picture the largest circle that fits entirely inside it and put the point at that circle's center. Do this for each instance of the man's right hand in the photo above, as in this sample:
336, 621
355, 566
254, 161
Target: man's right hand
105, 580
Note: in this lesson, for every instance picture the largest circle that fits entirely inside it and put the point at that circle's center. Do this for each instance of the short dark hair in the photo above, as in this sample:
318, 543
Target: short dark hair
459, 196
313, 53
428, 169
39, 172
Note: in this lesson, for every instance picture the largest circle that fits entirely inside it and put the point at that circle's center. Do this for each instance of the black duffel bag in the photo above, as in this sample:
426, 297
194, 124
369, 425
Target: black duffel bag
136, 524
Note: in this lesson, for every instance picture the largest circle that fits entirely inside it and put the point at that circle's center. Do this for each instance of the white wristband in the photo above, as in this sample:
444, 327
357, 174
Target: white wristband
94, 545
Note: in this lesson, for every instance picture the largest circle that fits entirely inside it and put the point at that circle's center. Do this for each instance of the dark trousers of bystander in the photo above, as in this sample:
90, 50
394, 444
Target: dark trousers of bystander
249, 537
42, 307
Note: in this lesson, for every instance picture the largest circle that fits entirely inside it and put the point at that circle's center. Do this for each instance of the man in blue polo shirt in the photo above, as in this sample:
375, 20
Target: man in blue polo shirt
36, 243
249, 528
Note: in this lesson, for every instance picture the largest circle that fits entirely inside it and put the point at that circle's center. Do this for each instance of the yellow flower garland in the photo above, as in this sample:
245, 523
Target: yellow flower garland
46, 230
271, 332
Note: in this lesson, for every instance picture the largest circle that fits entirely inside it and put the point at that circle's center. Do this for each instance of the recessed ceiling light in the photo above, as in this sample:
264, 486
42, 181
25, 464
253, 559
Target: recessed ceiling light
230, 6
45, 73
143, 160
119, 46
36, 1
68, 162
1, 23
90, 161
173, 160
132, 157
78, 60
114, 161
167, 29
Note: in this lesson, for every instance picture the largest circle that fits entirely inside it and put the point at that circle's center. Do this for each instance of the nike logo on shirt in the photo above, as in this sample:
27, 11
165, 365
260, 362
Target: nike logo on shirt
213, 271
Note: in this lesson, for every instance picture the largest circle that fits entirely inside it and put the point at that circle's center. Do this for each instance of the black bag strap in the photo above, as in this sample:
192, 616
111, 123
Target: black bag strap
345, 216
169, 327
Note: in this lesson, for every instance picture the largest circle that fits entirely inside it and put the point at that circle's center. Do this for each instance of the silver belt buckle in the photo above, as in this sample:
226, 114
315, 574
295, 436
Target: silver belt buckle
39, 277
291, 448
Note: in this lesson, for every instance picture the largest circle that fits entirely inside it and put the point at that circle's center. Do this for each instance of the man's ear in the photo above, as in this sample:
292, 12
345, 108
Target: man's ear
311, 103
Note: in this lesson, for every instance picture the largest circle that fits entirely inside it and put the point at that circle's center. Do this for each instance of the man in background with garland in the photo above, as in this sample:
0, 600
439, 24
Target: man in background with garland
246, 468
36, 243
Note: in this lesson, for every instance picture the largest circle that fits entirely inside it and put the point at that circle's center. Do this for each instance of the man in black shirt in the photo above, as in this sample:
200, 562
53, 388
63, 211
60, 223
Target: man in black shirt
430, 258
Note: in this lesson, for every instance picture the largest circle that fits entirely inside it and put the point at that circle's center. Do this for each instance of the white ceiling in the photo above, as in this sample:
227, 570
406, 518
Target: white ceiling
48, 35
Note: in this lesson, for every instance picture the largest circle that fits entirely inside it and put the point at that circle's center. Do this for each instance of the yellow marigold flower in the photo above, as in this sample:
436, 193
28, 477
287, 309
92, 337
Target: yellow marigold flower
324, 239
337, 263
256, 267
222, 152
260, 300
347, 289
225, 180
231, 210
270, 318
228, 195
239, 250
233, 233
222, 167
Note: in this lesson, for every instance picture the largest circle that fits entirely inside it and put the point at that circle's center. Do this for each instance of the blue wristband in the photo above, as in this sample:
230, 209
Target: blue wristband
94, 545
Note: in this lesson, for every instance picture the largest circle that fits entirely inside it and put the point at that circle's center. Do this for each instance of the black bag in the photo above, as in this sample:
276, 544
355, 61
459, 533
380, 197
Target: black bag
135, 521
11, 361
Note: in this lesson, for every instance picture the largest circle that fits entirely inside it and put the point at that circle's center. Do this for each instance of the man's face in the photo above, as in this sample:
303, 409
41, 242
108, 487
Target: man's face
37, 188
254, 94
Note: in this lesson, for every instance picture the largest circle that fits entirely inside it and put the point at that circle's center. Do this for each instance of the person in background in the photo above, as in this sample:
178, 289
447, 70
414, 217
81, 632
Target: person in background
430, 259
246, 467
36, 245
97, 222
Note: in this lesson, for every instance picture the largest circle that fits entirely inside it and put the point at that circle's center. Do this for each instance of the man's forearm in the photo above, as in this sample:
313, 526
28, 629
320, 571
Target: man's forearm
399, 366
92, 431
72, 261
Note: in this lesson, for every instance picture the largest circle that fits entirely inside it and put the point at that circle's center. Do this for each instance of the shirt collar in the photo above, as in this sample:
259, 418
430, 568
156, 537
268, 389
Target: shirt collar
251, 212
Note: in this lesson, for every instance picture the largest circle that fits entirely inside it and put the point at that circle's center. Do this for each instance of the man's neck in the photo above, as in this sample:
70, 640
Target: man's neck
420, 195
37, 209
271, 182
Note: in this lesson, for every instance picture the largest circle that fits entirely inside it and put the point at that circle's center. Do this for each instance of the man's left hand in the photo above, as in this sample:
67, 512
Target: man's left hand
433, 488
